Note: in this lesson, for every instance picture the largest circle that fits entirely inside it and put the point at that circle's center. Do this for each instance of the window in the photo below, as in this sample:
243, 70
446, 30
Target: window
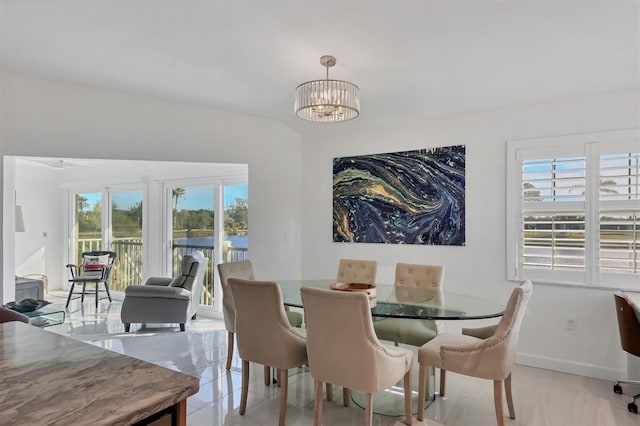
118, 227
573, 209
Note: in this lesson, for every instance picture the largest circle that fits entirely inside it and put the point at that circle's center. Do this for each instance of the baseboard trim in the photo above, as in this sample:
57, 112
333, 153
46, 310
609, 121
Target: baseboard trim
571, 367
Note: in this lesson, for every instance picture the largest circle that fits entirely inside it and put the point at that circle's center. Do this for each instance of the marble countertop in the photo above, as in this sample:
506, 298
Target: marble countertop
48, 379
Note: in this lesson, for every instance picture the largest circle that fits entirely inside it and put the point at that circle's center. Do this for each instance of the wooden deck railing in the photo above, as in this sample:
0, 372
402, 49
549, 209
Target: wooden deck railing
127, 269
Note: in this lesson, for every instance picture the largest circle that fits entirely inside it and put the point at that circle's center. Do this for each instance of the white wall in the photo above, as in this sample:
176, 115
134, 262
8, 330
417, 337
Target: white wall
51, 118
479, 268
38, 192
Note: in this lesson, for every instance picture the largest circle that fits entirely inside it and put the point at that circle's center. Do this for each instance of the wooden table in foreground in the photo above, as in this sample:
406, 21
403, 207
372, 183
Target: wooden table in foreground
48, 379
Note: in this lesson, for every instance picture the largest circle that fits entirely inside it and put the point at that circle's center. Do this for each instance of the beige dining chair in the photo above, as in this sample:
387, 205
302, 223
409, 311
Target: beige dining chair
410, 331
356, 271
343, 349
265, 335
243, 270
487, 353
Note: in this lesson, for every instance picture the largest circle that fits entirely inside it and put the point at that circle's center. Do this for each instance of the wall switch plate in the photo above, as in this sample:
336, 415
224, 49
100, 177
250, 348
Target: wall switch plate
570, 322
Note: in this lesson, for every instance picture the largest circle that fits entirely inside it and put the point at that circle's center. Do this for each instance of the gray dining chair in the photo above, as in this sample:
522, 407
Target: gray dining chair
487, 353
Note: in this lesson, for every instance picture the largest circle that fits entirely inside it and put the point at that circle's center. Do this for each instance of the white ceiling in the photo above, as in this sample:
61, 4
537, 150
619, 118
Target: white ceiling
408, 57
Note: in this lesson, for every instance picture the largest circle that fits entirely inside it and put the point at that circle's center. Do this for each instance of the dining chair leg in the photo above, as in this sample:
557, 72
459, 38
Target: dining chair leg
245, 386
283, 380
329, 387
317, 418
267, 375
422, 387
346, 397
229, 349
507, 391
443, 376
407, 398
84, 286
497, 400
368, 412
97, 292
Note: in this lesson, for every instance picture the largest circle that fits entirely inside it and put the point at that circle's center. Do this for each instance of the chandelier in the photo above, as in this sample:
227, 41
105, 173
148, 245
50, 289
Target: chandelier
327, 101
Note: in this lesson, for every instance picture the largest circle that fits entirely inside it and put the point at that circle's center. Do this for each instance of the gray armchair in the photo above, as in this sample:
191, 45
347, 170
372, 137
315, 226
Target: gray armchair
166, 300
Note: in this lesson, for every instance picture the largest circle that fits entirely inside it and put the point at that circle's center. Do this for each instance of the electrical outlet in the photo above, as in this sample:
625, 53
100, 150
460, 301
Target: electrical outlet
570, 322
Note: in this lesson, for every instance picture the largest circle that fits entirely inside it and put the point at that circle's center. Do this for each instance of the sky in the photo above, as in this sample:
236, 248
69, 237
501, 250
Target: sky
195, 197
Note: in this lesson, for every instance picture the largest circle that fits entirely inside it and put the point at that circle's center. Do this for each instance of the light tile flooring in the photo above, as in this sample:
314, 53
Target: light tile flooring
542, 397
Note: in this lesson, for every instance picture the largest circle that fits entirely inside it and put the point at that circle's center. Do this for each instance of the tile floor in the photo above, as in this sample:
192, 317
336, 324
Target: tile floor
542, 397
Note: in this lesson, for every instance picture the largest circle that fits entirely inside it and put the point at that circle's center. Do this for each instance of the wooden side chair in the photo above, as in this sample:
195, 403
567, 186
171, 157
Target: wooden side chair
95, 270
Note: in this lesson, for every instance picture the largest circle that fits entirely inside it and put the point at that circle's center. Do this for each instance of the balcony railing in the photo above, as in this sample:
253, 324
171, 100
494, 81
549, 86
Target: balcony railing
127, 269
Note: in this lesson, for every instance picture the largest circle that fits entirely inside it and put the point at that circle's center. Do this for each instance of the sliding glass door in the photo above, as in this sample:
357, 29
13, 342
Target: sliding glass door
210, 216
192, 229
118, 228
87, 223
125, 224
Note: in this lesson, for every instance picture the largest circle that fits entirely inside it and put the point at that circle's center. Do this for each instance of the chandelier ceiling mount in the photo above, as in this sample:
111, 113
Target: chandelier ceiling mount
327, 101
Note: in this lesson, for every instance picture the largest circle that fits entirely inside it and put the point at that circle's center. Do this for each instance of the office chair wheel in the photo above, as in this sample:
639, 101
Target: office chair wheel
617, 389
633, 408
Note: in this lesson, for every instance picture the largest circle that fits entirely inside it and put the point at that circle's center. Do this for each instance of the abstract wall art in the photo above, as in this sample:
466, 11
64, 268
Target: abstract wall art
410, 197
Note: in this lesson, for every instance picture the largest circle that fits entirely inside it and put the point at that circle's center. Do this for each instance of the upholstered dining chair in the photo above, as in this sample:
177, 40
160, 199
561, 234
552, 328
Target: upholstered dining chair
265, 335
340, 323
7, 315
356, 271
487, 353
409, 331
243, 270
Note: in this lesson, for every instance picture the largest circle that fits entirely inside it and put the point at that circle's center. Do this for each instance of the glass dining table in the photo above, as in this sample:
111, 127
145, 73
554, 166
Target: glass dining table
417, 303
407, 302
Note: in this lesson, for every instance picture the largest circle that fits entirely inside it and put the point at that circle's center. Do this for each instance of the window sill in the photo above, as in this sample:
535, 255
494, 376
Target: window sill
584, 286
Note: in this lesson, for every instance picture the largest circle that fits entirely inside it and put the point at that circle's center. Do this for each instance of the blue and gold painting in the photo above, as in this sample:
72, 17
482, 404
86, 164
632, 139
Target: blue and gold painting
410, 197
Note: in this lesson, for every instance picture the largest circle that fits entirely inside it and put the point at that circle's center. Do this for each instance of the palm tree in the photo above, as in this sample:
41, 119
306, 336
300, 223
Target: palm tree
82, 203
176, 195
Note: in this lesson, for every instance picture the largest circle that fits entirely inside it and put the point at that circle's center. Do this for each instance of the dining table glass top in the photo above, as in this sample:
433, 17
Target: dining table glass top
407, 302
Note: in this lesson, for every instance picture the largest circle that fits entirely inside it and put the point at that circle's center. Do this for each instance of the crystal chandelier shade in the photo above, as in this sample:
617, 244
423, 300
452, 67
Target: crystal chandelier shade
327, 101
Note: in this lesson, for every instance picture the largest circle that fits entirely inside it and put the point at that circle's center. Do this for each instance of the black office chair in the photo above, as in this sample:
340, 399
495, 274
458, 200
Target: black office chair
95, 269
629, 328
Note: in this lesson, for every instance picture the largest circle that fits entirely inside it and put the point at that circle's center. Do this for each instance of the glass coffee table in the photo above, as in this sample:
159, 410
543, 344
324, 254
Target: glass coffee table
46, 316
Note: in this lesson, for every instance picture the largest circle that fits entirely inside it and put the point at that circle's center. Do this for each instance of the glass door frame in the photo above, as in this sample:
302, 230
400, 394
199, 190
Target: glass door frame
106, 234
167, 234
218, 184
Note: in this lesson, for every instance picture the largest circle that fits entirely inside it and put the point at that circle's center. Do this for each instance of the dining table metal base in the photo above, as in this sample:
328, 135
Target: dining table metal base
390, 402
